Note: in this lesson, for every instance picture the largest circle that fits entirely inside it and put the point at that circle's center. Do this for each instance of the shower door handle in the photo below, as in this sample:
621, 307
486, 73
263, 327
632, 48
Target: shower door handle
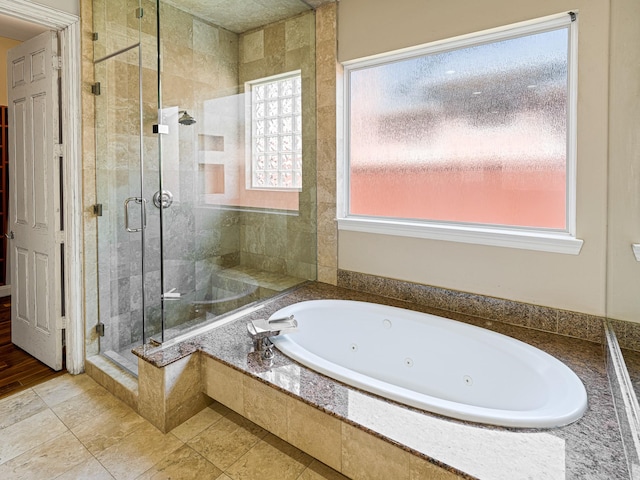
139, 201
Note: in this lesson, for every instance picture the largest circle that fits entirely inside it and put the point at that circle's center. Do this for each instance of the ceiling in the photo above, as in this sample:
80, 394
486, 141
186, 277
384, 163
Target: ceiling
16, 29
241, 16
233, 15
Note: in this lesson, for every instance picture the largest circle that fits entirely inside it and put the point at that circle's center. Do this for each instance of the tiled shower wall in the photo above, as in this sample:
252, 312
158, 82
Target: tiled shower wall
201, 62
278, 242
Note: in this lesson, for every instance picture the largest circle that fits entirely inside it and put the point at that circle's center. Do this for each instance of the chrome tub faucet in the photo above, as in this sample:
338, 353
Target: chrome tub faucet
260, 330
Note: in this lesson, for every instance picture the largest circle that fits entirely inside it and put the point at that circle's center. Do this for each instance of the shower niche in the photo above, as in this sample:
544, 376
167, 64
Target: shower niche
176, 119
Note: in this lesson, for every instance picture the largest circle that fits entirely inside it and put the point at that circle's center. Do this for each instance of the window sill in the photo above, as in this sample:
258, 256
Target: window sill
555, 242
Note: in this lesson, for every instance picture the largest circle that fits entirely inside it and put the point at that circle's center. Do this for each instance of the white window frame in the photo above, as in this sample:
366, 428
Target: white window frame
250, 135
548, 240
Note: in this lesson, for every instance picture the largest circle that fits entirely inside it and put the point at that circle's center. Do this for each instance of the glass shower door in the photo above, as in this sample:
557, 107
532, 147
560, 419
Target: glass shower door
126, 177
188, 232
228, 241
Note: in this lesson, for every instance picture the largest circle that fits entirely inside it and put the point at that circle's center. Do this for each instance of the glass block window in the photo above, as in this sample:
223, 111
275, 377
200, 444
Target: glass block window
472, 131
276, 132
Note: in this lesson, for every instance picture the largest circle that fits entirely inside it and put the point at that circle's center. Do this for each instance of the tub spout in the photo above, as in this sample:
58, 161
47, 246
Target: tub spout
260, 330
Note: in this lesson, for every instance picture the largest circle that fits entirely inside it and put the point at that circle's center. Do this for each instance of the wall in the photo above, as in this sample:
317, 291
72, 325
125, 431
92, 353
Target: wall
569, 282
623, 299
5, 45
69, 6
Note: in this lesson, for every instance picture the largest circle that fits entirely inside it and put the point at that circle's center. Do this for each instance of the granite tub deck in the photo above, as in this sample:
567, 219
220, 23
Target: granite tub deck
402, 441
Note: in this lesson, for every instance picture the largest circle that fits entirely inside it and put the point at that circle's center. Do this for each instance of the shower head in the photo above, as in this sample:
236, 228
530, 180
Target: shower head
186, 119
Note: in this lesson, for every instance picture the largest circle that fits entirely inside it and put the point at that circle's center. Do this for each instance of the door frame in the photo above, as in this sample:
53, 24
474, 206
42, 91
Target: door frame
68, 27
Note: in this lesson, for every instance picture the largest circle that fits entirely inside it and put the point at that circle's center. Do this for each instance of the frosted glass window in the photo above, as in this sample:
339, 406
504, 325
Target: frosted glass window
469, 135
276, 142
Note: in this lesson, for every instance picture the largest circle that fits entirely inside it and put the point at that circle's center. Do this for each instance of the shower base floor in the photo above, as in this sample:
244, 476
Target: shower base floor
124, 358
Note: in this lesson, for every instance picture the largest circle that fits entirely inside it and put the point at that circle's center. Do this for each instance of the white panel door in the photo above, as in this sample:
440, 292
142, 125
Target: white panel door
35, 199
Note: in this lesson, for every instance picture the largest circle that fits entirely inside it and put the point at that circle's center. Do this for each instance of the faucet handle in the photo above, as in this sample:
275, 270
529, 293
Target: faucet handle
283, 325
267, 352
258, 329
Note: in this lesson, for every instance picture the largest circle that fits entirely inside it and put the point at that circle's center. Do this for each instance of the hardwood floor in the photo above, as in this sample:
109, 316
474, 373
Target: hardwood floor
18, 369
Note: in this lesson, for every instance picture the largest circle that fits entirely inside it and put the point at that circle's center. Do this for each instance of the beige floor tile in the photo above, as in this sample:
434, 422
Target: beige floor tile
319, 471
90, 469
29, 433
108, 428
199, 422
270, 459
85, 405
138, 452
224, 477
63, 388
19, 406
227, 440
46, 461
183, 464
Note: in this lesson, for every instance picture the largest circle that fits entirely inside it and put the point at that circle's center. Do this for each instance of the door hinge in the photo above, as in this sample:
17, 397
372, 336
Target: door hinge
95, 88
139, 12
58, 149
100, 329
97, 209
94, 36
57, 62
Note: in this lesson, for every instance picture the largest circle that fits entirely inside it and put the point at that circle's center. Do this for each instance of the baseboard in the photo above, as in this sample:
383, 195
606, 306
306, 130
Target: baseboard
5, 290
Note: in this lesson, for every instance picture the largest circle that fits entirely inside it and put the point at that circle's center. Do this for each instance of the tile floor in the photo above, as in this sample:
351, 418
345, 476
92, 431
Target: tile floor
72, 428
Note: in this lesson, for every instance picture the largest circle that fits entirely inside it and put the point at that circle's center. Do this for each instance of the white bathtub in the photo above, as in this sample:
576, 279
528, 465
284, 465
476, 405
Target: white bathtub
434, 364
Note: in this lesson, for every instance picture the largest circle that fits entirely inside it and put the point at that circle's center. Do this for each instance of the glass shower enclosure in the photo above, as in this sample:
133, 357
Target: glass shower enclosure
205, 162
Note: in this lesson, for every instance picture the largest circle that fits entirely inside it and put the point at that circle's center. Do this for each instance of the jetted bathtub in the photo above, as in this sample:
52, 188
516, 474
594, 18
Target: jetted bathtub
433, 363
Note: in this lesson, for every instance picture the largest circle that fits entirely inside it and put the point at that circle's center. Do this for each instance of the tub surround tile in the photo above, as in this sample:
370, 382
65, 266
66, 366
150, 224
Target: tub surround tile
225, 385
151, 401
572, 324
591, 444
365, 457
627, 333
540, 318
314, 432
263, 407
183, 391
169, 396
